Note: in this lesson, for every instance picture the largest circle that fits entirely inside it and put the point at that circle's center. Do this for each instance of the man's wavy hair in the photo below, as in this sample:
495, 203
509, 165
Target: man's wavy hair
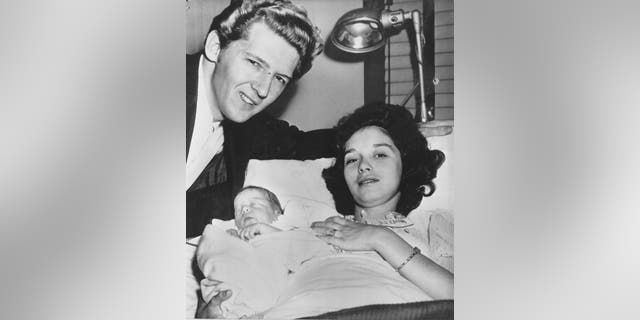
285, 18
419, 164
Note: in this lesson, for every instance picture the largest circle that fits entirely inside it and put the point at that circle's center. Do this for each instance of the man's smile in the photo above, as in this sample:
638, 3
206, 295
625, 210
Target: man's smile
247, 100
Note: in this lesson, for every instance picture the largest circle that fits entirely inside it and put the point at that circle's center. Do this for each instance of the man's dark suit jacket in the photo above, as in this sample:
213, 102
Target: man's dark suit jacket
261, 137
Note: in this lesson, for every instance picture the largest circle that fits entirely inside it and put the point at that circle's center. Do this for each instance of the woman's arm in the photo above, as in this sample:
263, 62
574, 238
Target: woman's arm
420, 270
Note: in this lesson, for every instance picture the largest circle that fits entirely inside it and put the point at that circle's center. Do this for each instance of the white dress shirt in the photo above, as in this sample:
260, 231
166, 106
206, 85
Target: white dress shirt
207, 137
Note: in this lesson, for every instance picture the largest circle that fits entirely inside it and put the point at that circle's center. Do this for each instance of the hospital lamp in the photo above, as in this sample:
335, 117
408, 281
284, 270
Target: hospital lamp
364, 30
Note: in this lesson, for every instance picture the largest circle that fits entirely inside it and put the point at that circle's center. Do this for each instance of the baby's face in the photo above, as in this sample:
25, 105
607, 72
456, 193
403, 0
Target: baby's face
253, 205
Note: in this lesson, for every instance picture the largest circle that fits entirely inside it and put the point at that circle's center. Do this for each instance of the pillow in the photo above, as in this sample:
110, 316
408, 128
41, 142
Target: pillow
301, 213
291, 179
436, 226
442, 198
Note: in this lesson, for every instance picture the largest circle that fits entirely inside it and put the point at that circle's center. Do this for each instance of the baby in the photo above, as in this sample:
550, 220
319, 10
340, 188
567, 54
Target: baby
244, 278
258, 211
255, 210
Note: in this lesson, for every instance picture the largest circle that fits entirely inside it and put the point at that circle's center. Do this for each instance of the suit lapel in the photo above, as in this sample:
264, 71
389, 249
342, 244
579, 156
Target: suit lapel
232, 156
192, 96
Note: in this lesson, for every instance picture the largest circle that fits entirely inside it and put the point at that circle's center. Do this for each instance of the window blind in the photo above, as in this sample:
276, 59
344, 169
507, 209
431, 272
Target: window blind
400, 76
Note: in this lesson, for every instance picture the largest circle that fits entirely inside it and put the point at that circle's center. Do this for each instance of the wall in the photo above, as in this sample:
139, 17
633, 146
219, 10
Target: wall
330, 90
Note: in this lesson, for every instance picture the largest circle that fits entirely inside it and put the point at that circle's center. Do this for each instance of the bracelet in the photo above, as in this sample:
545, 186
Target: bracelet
415, 251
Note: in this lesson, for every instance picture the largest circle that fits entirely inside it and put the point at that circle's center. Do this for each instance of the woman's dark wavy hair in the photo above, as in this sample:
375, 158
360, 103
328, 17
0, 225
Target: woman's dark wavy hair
419, 164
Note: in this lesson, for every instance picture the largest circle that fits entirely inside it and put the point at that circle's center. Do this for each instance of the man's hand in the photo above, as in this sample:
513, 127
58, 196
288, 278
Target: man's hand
212, 309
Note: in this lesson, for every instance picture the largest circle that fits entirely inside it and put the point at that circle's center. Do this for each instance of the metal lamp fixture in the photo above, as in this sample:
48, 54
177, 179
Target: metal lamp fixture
364, 30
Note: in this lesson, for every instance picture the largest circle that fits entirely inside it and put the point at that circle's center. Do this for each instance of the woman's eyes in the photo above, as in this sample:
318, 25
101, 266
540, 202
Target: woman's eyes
349, 161
379, 155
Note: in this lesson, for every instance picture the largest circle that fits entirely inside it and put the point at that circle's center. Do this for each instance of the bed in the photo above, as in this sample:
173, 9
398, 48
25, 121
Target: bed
298, 183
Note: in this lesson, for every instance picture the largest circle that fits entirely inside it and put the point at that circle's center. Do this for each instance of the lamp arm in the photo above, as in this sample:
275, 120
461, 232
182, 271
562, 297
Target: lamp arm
425, 115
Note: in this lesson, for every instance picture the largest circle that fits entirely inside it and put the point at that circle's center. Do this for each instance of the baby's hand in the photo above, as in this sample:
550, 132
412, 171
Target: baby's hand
252, 230
233, 232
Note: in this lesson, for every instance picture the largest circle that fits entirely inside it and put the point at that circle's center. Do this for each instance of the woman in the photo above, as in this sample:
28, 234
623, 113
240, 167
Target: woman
382, 172
380, 175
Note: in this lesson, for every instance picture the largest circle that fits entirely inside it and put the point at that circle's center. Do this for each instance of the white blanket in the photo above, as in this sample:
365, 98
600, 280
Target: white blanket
255, 271
353, 279
327, 282
341, 281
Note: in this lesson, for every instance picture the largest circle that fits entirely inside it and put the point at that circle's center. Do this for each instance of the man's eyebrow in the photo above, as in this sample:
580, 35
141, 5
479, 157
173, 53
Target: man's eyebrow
266, 64
256, 57
349, 150
285, 76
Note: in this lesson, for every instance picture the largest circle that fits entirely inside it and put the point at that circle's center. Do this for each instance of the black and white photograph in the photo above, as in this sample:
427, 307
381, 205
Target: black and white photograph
319, 146
341, 159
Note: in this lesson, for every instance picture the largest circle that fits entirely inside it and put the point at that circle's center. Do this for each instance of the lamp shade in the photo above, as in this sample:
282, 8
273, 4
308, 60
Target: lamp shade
359, 31
364, 30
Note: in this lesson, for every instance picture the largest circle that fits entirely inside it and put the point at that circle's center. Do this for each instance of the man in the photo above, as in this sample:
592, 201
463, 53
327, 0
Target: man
253, 51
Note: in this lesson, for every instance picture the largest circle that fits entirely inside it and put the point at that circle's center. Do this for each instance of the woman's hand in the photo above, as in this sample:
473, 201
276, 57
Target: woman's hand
349, 235
258, 228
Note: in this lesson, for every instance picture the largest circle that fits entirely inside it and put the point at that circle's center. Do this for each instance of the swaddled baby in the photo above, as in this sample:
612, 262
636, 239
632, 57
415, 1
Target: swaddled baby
255, 261
256, 209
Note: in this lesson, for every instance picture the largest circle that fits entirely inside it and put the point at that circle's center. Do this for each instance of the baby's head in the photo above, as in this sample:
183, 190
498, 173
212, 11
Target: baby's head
255, 204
